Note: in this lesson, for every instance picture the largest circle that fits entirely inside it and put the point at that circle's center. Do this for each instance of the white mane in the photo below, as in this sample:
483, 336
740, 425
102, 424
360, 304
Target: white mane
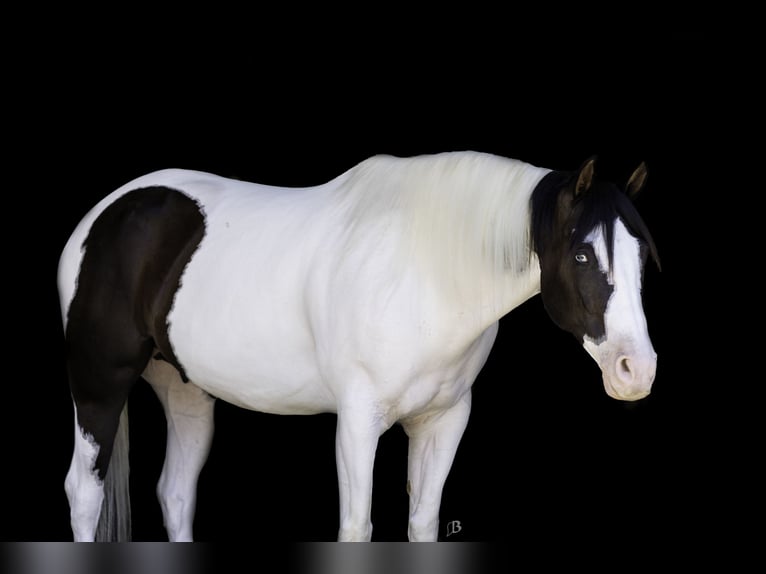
463, 216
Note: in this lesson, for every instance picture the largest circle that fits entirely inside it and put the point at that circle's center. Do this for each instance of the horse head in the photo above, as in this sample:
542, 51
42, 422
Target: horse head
592, 246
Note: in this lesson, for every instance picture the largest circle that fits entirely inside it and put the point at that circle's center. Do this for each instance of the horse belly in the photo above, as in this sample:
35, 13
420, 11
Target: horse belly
267, 391
239, 330
257, 370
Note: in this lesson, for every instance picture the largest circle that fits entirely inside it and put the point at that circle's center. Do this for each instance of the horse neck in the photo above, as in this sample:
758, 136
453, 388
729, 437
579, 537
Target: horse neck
468, 219
492, 296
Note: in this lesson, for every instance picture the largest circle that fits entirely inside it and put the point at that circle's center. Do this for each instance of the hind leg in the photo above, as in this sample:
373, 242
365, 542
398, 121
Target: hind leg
189, 412
84, 488
102, 370
96, 424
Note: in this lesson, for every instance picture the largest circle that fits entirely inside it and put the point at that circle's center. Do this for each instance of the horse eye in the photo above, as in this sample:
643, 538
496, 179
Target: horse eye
581, 257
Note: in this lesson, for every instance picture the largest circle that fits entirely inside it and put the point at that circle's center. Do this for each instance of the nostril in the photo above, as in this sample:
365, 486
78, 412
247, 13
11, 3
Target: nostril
632, 377
624, 372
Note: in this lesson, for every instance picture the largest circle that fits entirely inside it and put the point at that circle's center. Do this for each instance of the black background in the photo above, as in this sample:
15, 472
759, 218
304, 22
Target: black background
546, 455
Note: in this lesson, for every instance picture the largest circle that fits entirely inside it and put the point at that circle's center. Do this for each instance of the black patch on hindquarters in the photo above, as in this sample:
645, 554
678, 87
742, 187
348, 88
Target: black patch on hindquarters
134, 256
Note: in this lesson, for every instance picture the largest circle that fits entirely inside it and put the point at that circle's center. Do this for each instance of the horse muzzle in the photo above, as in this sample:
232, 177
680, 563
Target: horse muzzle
629, 377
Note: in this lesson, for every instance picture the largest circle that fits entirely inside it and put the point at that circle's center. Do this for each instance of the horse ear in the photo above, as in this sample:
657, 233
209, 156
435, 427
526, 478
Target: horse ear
585, 176
636, 181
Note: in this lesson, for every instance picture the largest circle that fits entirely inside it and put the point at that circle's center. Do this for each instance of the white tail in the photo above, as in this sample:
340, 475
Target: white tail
114, 521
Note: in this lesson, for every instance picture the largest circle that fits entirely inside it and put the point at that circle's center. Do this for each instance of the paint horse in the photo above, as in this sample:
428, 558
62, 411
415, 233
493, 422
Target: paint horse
375, 296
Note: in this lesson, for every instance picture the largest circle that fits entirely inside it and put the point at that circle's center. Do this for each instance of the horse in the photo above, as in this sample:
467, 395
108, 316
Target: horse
375, 296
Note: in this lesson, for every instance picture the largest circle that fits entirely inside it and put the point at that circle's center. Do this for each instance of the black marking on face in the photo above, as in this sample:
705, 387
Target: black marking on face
574, 289
134, 256
583, 272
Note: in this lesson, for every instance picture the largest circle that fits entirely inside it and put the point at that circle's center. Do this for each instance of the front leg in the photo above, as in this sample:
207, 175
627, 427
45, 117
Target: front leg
433, 442
356, 440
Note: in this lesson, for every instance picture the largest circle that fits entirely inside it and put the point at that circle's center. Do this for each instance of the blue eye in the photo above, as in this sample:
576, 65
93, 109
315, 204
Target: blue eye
580, 257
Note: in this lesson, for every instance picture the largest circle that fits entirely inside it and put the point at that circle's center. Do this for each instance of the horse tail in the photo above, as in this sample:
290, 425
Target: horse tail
114, 521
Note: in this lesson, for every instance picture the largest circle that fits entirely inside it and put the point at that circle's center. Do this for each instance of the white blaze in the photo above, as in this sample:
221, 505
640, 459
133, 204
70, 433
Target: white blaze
625, 356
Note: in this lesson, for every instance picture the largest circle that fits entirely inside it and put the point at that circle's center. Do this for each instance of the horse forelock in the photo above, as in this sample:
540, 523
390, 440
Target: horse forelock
597, 209
600, 207
459, 213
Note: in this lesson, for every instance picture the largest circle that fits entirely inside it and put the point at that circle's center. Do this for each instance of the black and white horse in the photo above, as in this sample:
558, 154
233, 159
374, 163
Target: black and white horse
375, 296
